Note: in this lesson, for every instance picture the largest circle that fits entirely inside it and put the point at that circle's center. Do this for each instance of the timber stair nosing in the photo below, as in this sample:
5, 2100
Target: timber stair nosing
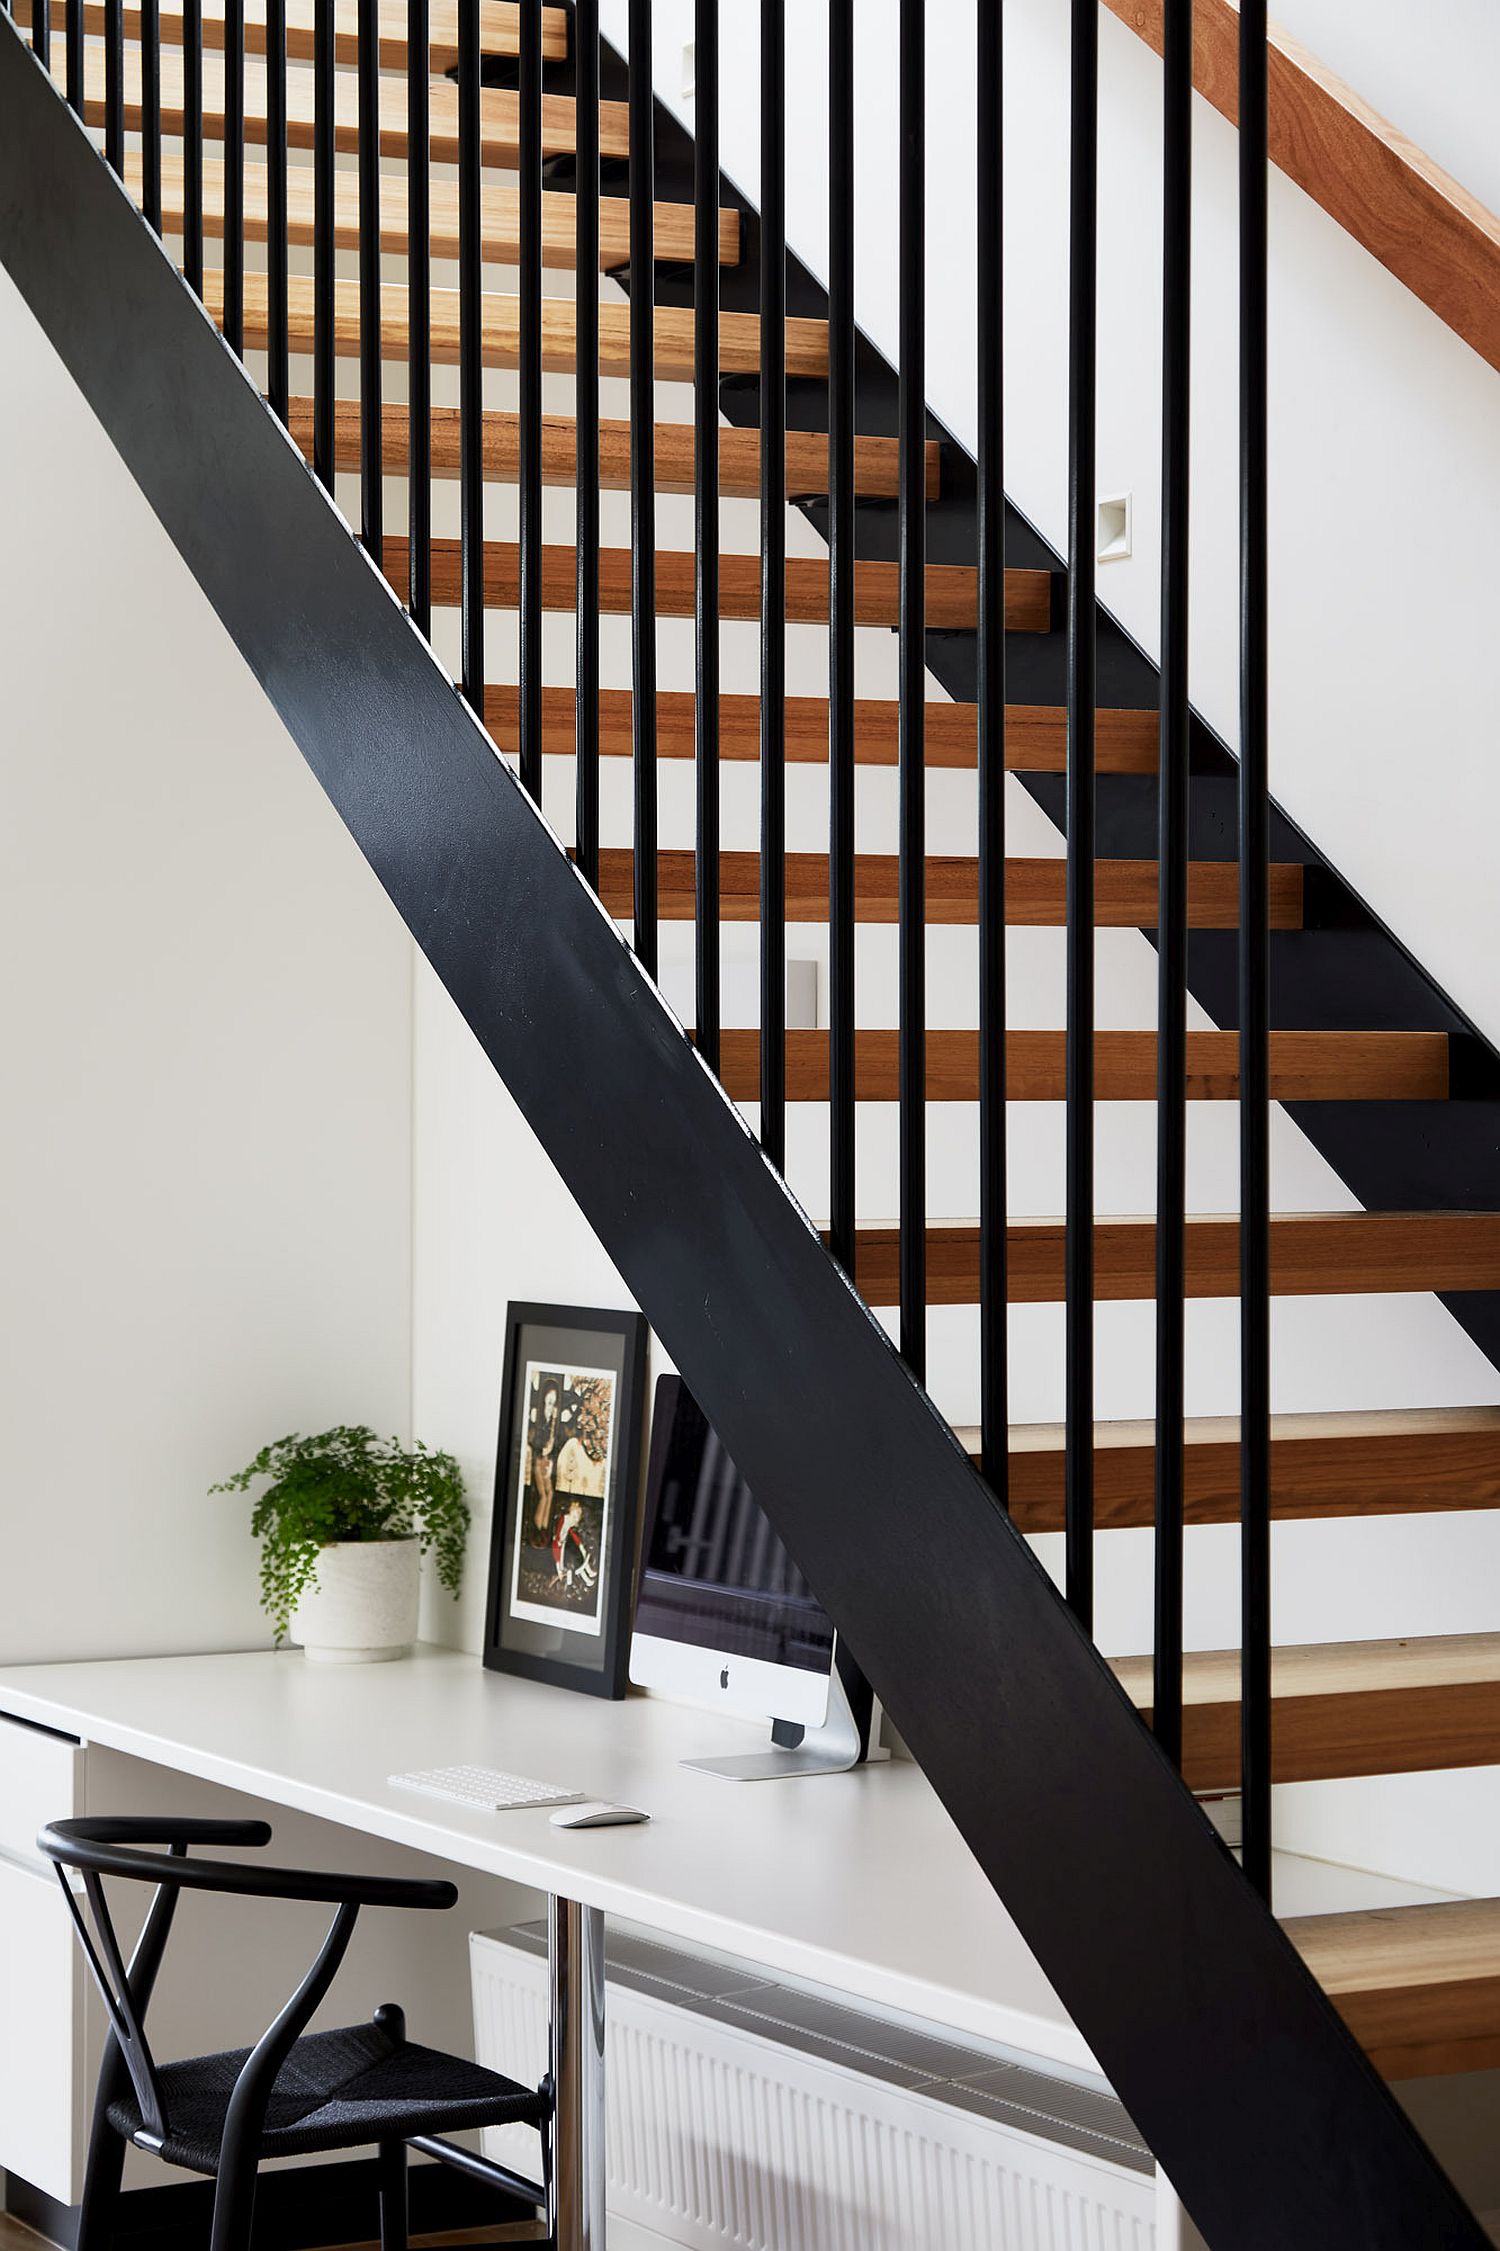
499, 110
499, 32
739, 333
1418, 1986
876, 461
1359, 1708
1305, 1066
499, 216
1384, 1462
951, 588
1313, 1254
1035, 735
1035, 890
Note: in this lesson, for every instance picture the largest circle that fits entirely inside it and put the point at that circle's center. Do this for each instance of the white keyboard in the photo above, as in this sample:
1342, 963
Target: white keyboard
484, 1787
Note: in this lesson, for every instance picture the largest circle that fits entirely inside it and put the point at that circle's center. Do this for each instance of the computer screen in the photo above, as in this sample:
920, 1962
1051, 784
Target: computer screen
714, 1575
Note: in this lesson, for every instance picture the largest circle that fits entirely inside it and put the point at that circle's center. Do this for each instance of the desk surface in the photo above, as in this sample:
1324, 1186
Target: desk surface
857, 1881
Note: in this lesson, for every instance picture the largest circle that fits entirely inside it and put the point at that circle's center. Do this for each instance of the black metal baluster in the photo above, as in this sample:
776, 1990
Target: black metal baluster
706, 519
586, 418
530, 397
234, 174
1255, 975
323, 222
643, 476
419, 313
151, 112
841, 518
41, 32
912, 692
371, 416
773, 579
192, 140
278, 342
1079, 1253
470, 356
994, 1407
1172, 876
114, 85
73, 28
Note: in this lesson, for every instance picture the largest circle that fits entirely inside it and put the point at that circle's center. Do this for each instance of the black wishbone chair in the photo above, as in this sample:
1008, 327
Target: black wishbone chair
294, 2093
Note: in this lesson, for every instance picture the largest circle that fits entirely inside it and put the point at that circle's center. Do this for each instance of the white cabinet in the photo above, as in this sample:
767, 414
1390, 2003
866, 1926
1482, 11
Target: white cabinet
46, 2060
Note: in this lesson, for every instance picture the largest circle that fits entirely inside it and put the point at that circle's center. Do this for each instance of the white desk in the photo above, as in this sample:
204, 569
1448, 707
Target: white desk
857, 1882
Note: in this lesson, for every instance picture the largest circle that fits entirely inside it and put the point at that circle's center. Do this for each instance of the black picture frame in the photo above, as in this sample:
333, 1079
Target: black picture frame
567, 1497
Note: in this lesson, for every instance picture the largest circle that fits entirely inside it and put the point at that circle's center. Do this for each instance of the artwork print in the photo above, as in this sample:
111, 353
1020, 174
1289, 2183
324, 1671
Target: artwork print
561, 1526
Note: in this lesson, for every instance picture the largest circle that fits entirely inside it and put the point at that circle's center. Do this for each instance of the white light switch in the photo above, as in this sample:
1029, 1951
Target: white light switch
1114, 528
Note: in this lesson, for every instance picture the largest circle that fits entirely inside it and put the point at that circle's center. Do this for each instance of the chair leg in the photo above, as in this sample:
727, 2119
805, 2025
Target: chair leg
391, 2156
100, 2208
393, 2211
234, 2201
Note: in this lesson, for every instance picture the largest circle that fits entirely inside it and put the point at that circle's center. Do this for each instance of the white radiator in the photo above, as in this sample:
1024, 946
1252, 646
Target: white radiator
719, 2134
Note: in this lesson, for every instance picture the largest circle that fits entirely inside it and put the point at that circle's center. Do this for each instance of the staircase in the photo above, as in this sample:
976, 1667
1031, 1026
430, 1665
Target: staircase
519, 141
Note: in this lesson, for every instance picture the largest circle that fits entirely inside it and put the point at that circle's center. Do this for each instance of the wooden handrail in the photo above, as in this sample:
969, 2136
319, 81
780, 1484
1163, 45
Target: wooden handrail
1432, 234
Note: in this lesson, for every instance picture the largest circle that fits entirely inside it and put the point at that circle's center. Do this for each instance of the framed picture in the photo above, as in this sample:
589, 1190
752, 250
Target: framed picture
567, 1496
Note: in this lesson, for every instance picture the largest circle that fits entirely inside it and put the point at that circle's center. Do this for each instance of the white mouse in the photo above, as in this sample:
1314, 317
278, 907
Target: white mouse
594, 1813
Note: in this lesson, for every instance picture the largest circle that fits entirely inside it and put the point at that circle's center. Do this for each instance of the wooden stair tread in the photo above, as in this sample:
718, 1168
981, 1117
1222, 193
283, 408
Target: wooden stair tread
1331, 1668
1340, 1708
1419, 1987
1036, 735
1035, 890
876, 475
1305, 1066
499, 30
739, 333
1313, 1254
500, 216
1384, 1462
951, 588
499, 125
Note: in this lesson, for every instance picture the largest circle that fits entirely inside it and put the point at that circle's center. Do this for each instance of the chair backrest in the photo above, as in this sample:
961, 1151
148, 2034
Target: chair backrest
130, 1847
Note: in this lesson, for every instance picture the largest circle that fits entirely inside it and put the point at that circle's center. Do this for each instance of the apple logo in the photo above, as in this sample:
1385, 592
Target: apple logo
724, 1678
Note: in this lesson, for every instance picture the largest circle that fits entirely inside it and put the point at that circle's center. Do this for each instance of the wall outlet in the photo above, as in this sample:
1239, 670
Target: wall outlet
801, 996
689, 69
1113, 544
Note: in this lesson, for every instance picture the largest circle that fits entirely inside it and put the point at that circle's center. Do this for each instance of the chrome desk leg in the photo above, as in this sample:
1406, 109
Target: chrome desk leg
575, 1952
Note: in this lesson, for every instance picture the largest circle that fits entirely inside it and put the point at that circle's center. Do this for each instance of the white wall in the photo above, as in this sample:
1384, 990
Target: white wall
1426, 69
492, 1223
205, 1137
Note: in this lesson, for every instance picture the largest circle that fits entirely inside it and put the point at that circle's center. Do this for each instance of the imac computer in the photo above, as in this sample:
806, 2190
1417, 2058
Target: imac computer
725, 1618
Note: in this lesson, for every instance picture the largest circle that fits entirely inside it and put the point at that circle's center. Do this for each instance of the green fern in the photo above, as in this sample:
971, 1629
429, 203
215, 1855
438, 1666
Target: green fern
347, 1484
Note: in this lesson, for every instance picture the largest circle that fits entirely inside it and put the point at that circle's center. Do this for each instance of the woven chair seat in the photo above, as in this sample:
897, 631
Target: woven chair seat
336, 2090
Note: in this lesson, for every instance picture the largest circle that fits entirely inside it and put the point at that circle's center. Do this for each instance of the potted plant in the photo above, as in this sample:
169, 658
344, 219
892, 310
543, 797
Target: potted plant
343, 1522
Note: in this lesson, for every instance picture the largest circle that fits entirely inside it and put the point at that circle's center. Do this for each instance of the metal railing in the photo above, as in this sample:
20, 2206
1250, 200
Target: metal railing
503, 125
518, 142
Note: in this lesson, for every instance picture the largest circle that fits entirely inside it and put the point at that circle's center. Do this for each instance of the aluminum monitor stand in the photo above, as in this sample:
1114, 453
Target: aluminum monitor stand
834, 1748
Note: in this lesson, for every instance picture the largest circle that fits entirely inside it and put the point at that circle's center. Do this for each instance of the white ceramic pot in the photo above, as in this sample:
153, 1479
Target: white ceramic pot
362, 1607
